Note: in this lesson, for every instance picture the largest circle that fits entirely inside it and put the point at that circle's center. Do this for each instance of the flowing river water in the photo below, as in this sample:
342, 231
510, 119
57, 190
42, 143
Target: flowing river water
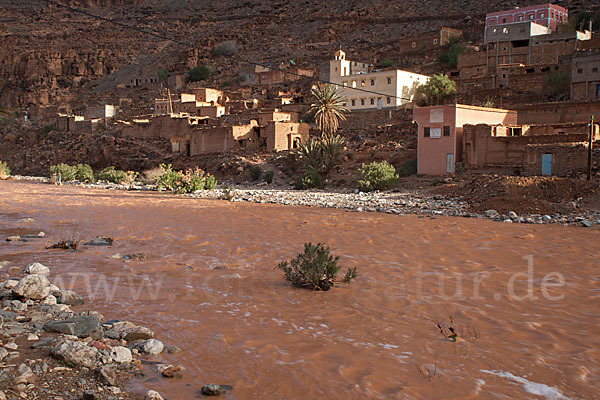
524, 299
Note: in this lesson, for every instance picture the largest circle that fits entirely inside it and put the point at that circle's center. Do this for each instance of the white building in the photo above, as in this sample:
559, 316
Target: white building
376, 90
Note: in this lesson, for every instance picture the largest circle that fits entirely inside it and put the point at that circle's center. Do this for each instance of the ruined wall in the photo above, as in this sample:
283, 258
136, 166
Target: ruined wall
548, 113
155, 127
285, 135
522, 154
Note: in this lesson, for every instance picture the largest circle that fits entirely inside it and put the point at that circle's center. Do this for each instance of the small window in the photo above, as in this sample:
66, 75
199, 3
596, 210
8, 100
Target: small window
353, 102
446, 131
503, 20
595, 69
372, 101
580, 70
372, 82
353, 83
362, 83
362, 102
345, 84
414, 45
335, 69
531, 17
542, 15
364, 66
426, 132
389, 100
520, 18
435, 41
505, 31
389, 81
503, 76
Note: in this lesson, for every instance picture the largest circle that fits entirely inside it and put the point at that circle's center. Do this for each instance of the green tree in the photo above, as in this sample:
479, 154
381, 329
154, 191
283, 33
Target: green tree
437, 89
163, 74
386, 63
199, 73
328, 108
450, 52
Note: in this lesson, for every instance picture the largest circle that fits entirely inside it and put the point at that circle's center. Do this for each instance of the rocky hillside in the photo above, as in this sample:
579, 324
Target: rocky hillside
51, 55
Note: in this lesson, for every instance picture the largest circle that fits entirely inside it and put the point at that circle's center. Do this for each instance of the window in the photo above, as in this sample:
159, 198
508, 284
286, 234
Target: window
503, 76
372, 82
389, 100
353, 102
353, 83
542, 15
520, 18
531, 17
434, 41
552, 14
345, 71
389, 81
372, 101
335, 69
580, 70
595, 69
364, 66
362, 102
362, 83
345, 84
505, 31
426, 132
503, 20
446, 131
414, 45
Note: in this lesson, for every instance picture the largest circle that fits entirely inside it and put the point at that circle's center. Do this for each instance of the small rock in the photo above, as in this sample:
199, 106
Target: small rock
31, 337
153, 395
151, 346
76, 353
586, 223
106, 374
70, 298
50, 300
11, 346
512, 215
546, 218
121, 354
169, 371
172, 349
13, 238
491, 213
100, 241
214, 390
45, 342
25, 375
37, 268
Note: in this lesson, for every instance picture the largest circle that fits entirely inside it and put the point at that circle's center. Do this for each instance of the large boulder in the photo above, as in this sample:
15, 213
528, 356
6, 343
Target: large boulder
83, 326
76, 353
37, 268
36, 287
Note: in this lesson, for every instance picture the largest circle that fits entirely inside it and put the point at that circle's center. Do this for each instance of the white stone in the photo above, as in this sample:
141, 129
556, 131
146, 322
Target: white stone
121, 354
37, 268
151, 346
153, 395
33, 287
50, 300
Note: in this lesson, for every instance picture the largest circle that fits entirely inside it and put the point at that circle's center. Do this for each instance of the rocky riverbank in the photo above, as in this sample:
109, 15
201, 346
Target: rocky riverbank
399, 202
50, 351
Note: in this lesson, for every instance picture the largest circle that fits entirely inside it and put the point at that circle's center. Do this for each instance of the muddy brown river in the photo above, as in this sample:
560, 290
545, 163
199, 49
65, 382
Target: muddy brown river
524, 299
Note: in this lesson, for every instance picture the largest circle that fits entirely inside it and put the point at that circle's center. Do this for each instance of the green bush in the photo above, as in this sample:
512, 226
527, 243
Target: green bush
558, 82
113, 175
84, 173
386, 63
63, 172
408, 168
310, 179
451, 51
376, 176
256, 172
315, 269
437, 89
268, 176
199, 73
227, 49
4, 170
184, 182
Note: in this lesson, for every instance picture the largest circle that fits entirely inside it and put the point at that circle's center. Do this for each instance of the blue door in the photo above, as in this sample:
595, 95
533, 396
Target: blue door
546, 164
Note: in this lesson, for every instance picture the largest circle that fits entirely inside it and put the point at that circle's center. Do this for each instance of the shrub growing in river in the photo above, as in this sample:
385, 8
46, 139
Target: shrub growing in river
84, 173
4, 170
315, 268
111, 174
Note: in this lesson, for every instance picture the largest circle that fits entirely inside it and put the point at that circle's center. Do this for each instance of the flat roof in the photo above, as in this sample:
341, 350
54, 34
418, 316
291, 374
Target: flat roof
528, 8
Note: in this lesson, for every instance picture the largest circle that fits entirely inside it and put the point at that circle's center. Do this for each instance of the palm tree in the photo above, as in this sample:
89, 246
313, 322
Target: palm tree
328, 108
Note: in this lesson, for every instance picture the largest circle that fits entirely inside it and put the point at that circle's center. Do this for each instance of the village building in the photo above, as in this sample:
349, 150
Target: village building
585, 76
101, 111
204, 102
427, 41
548, 15
373, 90
548, 149
440, 133
271, 75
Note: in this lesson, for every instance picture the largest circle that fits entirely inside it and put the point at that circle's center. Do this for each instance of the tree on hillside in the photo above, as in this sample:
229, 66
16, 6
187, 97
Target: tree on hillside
437, 89
452, 49
328, 108
199, 73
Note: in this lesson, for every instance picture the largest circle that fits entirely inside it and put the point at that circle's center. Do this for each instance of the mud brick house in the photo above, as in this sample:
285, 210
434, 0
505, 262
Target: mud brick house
585, 76
551, 149
160, 126
144, 81
440, 133
203, 102
548, 15
392, 88
265, 75
100, 112
427, 41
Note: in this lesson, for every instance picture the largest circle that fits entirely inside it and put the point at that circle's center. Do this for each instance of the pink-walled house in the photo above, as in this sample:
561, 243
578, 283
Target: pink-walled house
440, 136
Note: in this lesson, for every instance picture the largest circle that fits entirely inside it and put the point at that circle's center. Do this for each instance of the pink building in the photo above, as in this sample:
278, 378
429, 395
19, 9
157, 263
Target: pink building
548, 15
440, 133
